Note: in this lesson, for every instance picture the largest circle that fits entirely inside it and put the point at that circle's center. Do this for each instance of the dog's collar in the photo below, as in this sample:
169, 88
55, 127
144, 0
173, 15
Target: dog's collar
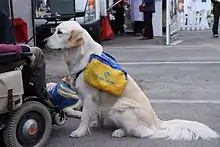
77, 74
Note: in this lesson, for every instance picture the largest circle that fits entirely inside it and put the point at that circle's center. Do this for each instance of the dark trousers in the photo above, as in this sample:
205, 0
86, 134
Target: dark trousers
138, 26
216, 12
35, 74
148, 32
120, 20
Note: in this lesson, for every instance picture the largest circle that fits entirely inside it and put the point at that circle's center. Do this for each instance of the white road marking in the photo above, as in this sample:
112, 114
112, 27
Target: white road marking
146, 47
187, 101
168, 62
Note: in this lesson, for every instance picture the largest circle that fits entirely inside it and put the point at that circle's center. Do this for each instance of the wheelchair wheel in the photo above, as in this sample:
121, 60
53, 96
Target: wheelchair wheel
30, 125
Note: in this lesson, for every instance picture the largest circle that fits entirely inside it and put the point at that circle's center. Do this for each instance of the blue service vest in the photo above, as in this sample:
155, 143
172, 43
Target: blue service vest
61, 101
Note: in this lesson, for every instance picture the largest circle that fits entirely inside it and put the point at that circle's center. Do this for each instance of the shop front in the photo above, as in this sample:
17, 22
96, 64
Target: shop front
132, 14
194, 14
186, 15
24, 11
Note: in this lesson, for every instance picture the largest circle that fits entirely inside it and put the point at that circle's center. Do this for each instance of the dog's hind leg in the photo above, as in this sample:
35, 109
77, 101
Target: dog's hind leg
119, 133
129, 124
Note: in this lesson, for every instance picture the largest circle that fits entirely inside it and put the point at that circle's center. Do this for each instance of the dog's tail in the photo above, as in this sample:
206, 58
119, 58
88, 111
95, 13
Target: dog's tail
184, 130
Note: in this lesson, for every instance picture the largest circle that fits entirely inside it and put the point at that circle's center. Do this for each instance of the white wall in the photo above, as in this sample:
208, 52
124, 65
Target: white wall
193, 18
157, 19
22, 9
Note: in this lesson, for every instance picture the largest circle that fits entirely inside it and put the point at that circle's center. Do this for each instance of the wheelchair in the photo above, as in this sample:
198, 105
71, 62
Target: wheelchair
26, 119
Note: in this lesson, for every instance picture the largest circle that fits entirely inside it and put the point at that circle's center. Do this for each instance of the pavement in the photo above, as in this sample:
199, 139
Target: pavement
181, 81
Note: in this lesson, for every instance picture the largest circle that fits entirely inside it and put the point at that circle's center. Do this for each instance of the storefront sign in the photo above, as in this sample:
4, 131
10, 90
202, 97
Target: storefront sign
172, 21
194, 14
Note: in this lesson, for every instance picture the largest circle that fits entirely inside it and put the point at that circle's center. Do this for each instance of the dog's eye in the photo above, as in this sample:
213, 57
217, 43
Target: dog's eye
59, 32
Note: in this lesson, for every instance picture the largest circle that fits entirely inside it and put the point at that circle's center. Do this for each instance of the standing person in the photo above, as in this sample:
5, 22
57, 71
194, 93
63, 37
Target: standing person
5, 28
119, 16
216, 12
137, 17
164, 9
148, 16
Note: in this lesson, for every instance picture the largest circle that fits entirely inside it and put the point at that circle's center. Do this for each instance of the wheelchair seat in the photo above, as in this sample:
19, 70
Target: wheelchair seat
33, 78
10, 61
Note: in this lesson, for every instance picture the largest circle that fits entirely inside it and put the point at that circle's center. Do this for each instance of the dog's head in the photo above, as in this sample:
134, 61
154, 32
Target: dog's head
68, 34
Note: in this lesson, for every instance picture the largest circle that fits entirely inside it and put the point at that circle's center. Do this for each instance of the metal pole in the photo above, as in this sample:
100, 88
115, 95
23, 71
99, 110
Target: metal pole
74, 10
33, 6
114, 5
12, 20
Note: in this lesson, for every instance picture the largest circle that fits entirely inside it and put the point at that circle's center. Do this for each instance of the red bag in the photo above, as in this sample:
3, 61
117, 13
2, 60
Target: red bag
142, 8
21, 31
107, 33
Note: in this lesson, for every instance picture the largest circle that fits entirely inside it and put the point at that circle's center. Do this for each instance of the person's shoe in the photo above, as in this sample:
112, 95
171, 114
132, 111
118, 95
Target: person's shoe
118, 33
215, 35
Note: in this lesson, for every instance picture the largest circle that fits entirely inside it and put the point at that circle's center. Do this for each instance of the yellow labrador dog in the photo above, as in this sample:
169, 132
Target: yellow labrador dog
132, 112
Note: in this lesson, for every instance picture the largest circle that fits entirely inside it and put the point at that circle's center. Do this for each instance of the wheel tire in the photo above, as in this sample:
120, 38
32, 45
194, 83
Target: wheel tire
10, 132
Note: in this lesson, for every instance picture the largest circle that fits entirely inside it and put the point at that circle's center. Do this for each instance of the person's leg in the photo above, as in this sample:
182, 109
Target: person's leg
148, 32
139, 28
164, 20
135, 27
122, 22
216, 13
142, 25
35, 76
151, 32
117, 24
145, 24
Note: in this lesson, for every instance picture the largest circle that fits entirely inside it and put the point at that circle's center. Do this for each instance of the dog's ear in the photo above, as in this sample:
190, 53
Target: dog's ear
75, 38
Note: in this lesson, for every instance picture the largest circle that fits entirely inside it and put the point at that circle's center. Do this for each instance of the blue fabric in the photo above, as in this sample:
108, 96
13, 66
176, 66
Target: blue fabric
108, 60
58, 100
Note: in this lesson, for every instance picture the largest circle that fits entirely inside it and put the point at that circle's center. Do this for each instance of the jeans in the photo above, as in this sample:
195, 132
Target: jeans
148, 32
216, 12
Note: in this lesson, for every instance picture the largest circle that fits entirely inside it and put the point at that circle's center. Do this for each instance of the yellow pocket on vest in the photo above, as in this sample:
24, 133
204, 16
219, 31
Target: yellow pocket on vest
105, 77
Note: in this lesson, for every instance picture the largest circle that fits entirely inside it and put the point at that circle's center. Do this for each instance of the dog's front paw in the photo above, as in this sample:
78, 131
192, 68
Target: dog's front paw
77, 134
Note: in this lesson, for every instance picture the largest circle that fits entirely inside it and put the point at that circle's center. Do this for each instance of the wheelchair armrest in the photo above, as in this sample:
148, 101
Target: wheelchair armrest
6, 58
27, 54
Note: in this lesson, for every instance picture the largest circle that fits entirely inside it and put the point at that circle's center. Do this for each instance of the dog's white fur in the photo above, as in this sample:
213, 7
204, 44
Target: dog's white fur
132, 112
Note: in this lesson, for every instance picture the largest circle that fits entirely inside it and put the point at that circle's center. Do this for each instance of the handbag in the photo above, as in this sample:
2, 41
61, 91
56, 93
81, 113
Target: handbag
103, 72
142, 8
